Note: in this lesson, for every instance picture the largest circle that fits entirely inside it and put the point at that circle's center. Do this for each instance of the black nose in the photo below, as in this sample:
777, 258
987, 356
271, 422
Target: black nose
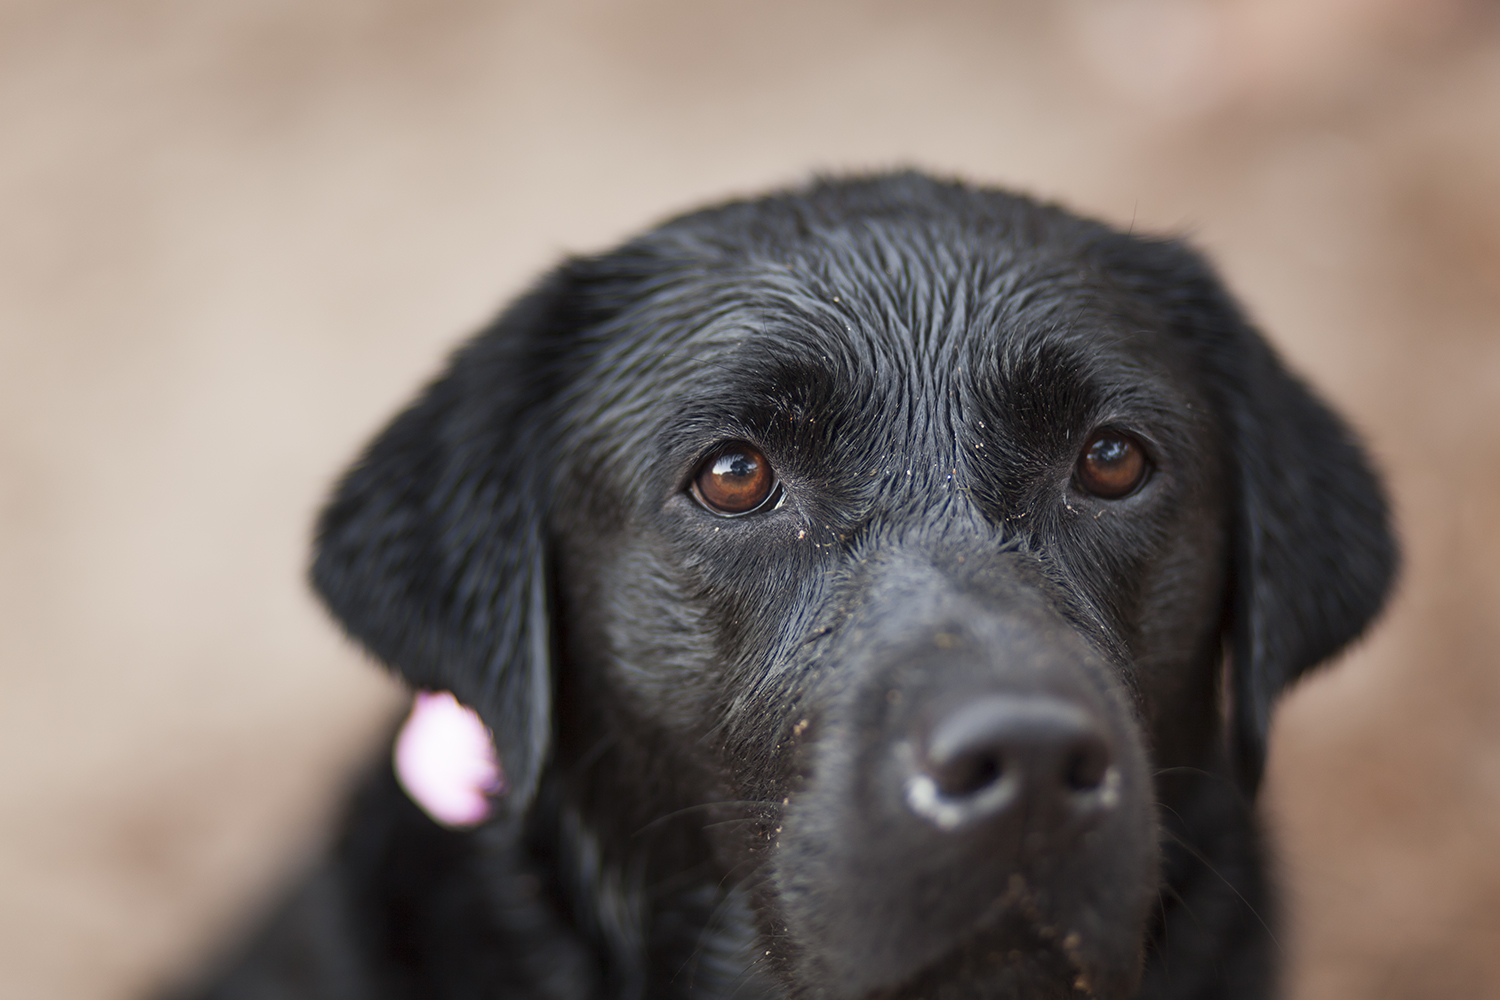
1012, 756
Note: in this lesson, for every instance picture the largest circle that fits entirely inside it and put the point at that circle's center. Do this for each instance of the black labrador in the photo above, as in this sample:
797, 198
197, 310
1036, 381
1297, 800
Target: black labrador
876, 590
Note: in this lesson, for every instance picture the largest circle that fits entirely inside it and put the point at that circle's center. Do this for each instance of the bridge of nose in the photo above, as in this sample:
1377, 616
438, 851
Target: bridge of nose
971, 614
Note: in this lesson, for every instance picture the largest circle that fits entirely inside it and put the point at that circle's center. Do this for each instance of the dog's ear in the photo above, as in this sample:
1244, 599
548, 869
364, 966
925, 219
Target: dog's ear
1313, 553
432, 551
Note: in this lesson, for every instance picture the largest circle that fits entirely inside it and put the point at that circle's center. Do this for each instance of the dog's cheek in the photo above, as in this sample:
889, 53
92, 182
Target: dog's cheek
646, 633
757, 589
1178, 644
1176, 619
658, 654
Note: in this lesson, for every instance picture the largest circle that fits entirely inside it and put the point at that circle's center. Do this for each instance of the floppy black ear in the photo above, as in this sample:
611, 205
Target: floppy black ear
432, 553
1313, 553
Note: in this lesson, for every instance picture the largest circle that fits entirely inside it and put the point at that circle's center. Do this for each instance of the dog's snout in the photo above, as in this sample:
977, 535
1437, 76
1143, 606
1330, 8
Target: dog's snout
1010, 758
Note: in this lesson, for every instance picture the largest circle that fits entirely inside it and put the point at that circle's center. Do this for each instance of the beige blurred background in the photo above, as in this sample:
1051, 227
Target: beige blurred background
234, 236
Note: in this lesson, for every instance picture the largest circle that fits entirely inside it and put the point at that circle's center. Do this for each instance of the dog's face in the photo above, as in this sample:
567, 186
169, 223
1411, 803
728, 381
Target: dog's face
923, 563
864, 556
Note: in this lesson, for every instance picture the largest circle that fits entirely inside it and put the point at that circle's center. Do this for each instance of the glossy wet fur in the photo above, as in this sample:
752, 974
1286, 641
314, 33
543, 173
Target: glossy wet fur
731, 741
924, 409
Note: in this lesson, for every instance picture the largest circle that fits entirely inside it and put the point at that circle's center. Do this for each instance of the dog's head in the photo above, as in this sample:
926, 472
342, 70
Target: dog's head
883, 540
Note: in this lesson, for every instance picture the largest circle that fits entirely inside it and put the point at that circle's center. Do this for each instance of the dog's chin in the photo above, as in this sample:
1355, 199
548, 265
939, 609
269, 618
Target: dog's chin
1011, 960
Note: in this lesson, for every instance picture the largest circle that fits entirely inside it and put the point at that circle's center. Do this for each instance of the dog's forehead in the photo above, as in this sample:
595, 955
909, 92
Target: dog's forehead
873, 309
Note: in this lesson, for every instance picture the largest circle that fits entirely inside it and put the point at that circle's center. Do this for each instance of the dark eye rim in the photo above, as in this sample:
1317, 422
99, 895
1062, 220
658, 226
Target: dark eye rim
1148, 464
773, 495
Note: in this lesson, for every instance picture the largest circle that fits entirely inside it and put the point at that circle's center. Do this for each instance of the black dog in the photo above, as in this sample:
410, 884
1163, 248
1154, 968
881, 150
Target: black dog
878, 590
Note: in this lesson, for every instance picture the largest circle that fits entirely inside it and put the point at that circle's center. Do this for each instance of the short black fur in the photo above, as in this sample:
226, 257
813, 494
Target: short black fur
719, 733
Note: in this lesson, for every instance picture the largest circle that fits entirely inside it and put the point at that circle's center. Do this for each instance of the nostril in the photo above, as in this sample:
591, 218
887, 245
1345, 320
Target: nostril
968, 773
1087, 765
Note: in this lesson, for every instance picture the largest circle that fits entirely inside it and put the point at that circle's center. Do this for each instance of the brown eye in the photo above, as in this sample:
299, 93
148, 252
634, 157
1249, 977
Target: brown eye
1111, 466
735, 479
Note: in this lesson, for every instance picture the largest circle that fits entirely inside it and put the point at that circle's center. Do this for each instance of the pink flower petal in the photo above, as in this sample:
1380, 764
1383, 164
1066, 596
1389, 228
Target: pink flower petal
445, 759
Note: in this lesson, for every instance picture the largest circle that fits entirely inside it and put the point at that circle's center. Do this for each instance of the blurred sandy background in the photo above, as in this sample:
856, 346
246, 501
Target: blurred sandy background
234, 236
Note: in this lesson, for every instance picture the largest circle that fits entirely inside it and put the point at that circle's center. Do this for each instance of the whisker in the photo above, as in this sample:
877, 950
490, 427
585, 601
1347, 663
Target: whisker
686, 810
1172, 890
731, 822
1209, 865
1185, 769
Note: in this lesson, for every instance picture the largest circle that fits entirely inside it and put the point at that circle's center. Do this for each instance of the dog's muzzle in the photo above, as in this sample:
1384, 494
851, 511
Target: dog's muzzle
979, 797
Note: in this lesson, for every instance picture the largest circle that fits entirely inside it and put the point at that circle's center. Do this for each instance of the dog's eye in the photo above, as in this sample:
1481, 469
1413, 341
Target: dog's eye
734, 479
1112, 465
